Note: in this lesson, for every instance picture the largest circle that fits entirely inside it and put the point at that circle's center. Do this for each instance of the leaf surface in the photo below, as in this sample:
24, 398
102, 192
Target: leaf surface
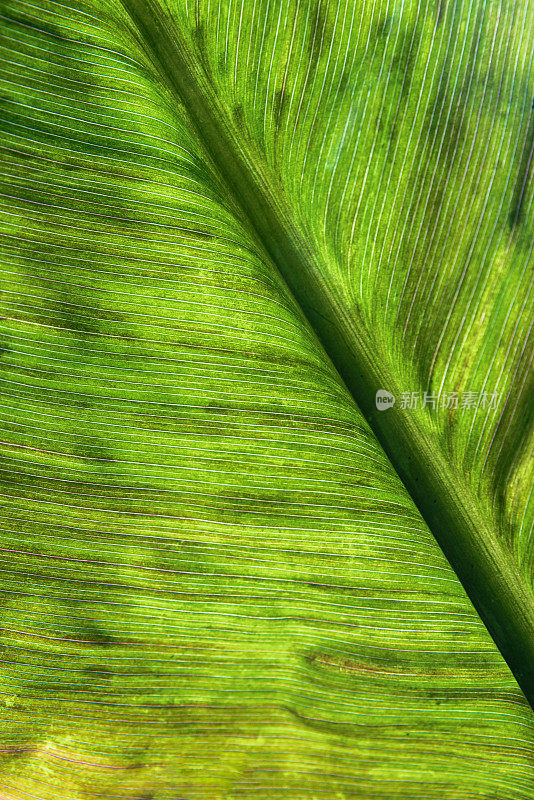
215, 583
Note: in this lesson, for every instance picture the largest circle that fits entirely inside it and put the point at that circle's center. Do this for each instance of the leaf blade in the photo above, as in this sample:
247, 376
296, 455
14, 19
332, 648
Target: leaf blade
83, 331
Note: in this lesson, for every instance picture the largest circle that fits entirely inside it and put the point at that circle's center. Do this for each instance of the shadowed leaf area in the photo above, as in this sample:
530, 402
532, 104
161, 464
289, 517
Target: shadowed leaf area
225, 573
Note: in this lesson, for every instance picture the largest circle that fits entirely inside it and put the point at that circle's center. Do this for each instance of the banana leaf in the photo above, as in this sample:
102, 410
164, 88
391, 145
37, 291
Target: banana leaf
267, 441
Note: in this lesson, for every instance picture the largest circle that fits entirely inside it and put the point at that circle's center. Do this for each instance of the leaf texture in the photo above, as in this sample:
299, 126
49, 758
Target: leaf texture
215, 584
401, 135
471, 522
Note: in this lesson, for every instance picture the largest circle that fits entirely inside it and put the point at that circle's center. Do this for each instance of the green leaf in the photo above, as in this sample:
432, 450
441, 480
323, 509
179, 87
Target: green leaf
225, 571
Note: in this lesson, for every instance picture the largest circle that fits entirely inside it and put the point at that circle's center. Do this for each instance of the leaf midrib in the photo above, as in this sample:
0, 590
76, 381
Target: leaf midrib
480, 559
